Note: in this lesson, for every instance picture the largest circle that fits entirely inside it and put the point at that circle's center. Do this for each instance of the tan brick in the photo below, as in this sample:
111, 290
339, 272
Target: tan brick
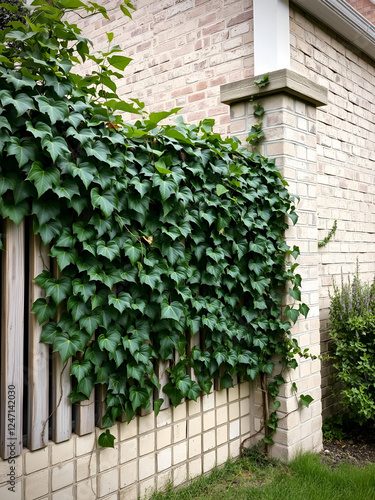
34, 460
195, 426
233, 393
129, 493
208, 401
65, 494
195, 446
85, 444
62, 475
209, 461
36, 485
195, 467
164, 417
221, 415
221, 397
86, 490
146, 466
179, 412
234, 448
108, 482
146, 443
164, 437
234, 429
222, 434
244, 389
179, 431
146, 423
129, 430
146, 488
222, 454
164, 459
128, 450
209, 440
209, 420
179, 453
86, 467
128, 474
60, 452
108, 458
234, 410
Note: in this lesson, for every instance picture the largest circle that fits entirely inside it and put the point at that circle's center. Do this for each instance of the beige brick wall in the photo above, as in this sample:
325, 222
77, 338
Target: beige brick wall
345, 157
182, 52
178, 444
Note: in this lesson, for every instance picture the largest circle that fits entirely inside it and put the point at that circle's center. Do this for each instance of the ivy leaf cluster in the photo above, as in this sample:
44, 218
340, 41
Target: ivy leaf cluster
159, 232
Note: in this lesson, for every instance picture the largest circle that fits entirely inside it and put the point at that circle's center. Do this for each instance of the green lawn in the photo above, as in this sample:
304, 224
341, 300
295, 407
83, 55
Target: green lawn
305, 478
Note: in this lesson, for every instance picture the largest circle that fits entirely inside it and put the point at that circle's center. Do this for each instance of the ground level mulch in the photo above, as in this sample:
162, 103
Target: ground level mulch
357, 448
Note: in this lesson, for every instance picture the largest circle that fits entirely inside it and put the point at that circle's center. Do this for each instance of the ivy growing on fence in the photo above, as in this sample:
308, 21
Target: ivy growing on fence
158, 231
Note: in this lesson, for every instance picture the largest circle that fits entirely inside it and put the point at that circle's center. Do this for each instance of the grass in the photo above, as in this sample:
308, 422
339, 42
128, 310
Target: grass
305, 478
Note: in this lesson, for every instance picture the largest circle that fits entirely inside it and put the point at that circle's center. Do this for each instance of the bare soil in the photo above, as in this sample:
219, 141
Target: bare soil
357, 448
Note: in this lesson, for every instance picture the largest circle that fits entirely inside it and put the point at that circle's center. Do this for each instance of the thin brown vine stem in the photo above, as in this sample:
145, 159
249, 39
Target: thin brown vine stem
58, 404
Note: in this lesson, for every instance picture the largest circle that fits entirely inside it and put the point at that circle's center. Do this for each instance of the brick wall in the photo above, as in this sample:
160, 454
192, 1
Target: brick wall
178, 444
365, 7
345, 156
182, 52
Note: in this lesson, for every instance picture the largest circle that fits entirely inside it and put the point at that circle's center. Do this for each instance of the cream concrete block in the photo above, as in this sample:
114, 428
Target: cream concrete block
146, 488
194, 426
86, 467
180, 475
128, 474
194, 407
179, 431
195, 468
86, 490
147, 443
164, 437
245, 390
129, 430
208, 401
221, 434
209, 461
234, 429
245, 425
85, 444
208, 420
235, 448
162, 480
108, 482
65, 494
129, 493
62, 475
195, 446
164, 459
233, 393
5, 494
164, 417
128, 450
179, 412
209, 440
146, 423
60, 452
179, 453
147, 466
234, 410
222, 454
245, 407
34, 460
36, 485
237, 110
222, 415
108, 458
221, 397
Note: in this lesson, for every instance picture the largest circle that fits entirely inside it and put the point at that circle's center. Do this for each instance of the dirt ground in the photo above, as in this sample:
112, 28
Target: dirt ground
358, 448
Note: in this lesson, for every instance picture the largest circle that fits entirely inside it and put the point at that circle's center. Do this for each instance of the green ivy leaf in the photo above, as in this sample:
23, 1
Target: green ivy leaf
306, 400
58, 289
106, 439
43, 178
67, 345
56, 146
174, 310
44, 310
80, 369
56, 110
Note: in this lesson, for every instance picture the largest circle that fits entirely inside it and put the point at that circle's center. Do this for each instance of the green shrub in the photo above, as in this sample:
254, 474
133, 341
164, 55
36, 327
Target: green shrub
352, 316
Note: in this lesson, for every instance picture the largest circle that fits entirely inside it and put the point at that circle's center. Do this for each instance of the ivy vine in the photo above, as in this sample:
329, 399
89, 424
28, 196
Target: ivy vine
159, 232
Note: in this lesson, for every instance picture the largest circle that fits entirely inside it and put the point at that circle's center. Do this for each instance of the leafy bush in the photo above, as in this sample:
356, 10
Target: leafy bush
352, 317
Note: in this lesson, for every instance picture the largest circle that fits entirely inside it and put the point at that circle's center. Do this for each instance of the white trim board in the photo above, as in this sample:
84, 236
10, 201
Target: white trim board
344, 20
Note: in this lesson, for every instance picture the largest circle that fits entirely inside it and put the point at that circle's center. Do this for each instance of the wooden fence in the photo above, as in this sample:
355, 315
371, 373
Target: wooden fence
34, 389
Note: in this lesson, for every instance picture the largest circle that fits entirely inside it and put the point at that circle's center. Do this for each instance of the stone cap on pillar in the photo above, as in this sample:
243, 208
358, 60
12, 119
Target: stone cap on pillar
282, 80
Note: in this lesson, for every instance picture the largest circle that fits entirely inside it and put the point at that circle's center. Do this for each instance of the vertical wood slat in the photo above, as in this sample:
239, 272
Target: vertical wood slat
101, 394
38, 379
163, 376
12, 336
61, 388
85, 412
193, 340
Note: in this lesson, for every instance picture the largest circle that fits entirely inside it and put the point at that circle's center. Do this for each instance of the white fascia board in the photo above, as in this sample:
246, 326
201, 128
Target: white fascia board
344, 20
271, 35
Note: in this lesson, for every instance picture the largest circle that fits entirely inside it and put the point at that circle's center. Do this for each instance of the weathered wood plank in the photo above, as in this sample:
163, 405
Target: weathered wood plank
12, 337
61, 388
85, 416
163, 376
38, 370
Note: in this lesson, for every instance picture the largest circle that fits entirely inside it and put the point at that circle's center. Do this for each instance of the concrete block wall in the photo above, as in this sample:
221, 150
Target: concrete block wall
182, 52
345, 159
179, 444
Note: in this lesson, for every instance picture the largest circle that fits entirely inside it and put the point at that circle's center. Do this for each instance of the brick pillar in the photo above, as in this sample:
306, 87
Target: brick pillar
289, 124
